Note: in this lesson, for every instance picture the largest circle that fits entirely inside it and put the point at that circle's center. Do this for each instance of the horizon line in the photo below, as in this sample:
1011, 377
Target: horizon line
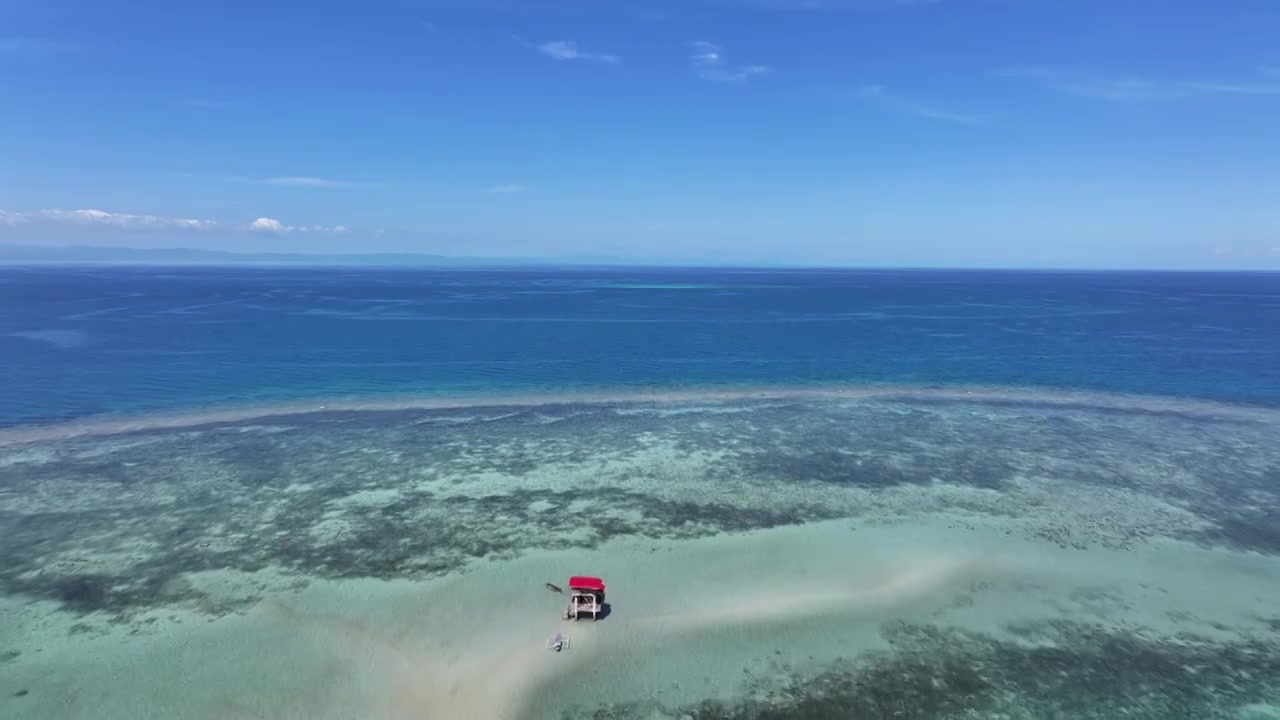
35, 255
462, 263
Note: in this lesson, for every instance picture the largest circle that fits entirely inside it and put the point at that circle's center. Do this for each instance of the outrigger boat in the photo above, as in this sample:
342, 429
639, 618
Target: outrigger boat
586, 597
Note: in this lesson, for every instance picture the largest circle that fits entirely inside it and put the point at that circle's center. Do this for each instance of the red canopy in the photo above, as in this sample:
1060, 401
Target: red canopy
582, 582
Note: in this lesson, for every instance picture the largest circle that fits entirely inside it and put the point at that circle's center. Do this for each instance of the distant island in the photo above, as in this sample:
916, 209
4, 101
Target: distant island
87, 254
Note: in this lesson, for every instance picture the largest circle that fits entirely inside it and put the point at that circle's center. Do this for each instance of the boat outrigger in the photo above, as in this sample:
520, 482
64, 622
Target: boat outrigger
586, 597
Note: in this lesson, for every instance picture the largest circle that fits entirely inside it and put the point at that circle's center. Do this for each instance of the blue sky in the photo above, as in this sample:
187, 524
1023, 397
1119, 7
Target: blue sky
1078, 133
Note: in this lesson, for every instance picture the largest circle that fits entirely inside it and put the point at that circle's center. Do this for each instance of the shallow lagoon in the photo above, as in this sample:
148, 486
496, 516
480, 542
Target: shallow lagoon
922, 554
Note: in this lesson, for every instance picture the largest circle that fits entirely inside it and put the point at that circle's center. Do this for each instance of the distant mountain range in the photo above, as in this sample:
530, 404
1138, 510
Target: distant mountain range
76, 254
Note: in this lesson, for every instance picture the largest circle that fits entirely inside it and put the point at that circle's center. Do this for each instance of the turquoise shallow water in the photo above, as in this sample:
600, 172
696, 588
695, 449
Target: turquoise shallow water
927, 556
81, 342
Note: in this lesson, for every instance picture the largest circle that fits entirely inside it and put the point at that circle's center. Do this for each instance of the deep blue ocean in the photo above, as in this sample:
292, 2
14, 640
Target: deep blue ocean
76, 342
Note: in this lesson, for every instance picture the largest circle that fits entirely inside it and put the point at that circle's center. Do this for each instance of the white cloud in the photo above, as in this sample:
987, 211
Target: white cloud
275, 227
877, 96
100, 218
268, 225
321, 229
103, 220
706, 53
272, 226
1128, 89
709, 64
503, 189
568, 50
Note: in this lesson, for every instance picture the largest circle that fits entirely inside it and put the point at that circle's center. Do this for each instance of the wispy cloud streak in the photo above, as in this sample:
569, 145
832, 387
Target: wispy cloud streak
1133, 90
1236, 88
103, 220
299, 182
709, 63
569, 50
877, 96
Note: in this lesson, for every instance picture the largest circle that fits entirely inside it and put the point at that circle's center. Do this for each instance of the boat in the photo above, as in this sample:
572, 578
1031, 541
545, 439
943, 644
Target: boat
586, 598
